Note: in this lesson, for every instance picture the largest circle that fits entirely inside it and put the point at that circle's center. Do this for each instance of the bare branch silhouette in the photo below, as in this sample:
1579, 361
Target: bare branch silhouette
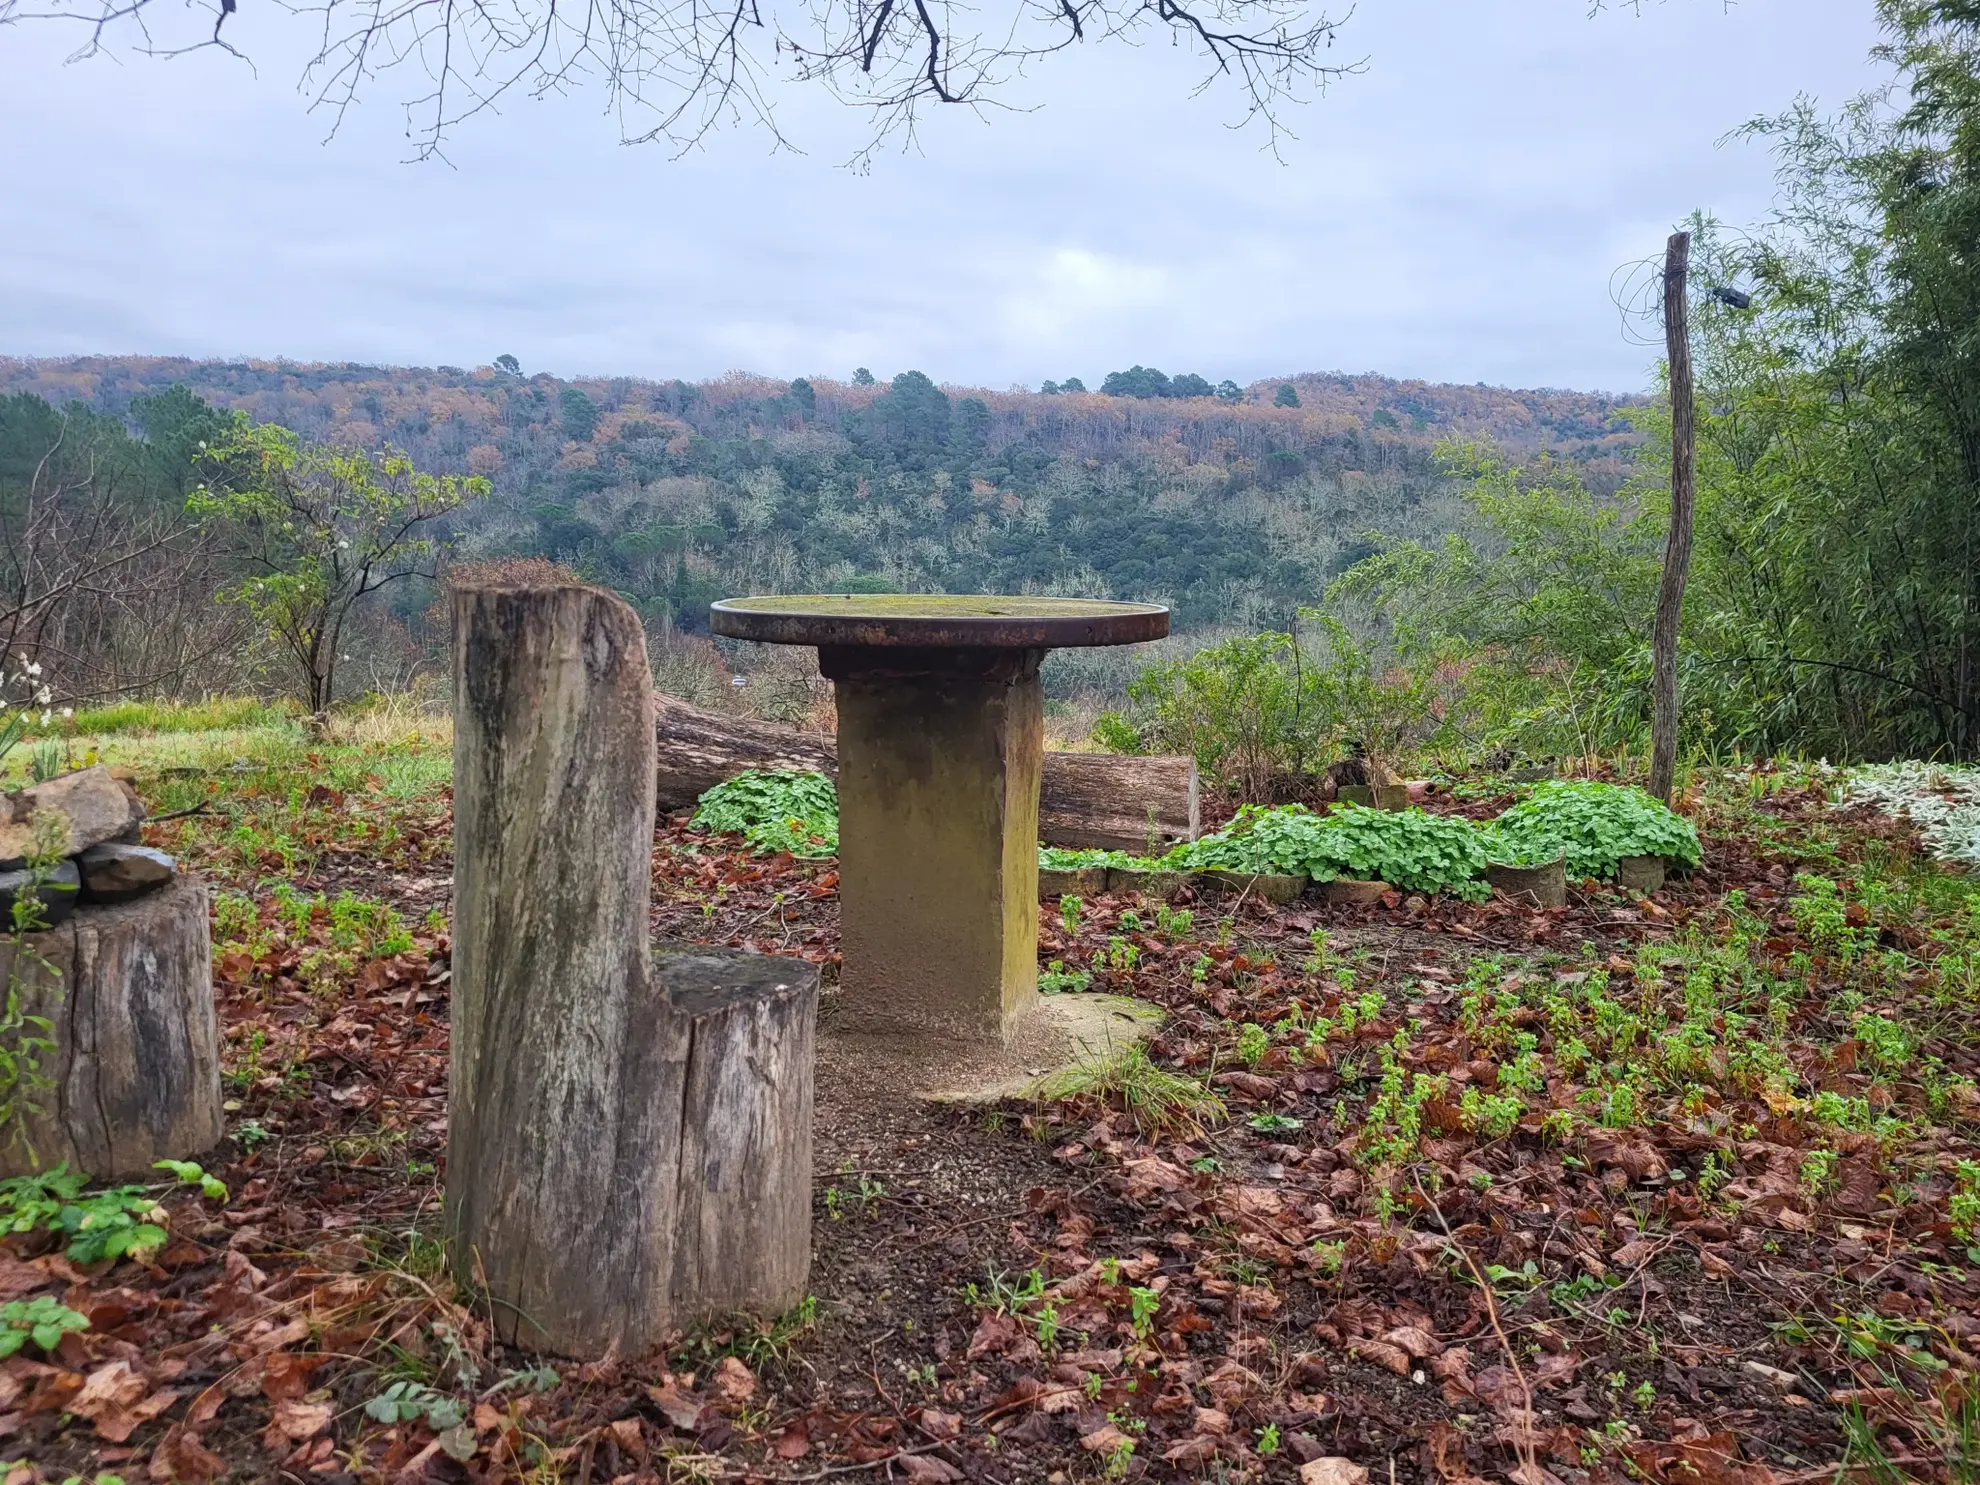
675, 70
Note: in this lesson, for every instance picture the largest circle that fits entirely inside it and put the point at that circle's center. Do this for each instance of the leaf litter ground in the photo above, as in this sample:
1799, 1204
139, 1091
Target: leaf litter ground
1665, 1189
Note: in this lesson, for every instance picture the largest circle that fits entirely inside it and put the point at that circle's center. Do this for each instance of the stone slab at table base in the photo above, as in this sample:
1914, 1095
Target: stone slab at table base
939, 753
1061, 1032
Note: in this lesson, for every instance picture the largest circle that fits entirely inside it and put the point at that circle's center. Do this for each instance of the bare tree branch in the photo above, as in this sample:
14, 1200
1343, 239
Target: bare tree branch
675, 70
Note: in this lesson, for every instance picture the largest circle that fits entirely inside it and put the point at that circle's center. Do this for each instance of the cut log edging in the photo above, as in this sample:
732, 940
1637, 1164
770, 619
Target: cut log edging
135, 1071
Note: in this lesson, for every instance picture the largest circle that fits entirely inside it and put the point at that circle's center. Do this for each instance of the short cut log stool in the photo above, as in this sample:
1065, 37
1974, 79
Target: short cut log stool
629, 1137
134, 1075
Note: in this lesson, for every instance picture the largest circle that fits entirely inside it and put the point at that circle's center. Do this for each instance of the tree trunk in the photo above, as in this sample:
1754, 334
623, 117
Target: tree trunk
742, 1231
1677, 551
1085, 799
134, 1076
699, 749
629, 1141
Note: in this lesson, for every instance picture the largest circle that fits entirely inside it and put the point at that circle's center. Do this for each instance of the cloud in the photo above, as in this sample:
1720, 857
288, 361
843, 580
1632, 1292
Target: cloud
1061, 299
1453, 213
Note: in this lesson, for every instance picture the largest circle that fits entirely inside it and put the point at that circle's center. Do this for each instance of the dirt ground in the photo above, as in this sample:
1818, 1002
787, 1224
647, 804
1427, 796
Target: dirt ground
1437, 1190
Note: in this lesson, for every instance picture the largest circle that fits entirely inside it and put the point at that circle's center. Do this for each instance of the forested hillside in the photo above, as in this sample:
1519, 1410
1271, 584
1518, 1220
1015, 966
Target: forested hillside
1234, 508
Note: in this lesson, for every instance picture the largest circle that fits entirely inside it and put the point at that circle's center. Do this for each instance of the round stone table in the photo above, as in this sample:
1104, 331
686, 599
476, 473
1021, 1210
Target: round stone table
941, 734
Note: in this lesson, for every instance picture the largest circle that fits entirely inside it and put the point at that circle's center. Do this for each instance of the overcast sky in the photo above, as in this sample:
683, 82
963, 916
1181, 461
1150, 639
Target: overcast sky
1454, 213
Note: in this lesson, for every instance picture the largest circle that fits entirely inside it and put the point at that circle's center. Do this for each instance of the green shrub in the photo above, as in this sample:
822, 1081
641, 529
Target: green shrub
1244, 710
1261, 711
775, 811
1593, 825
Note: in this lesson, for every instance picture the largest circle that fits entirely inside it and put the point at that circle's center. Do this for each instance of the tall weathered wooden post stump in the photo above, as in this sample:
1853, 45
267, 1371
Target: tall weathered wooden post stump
134, 1075
624, 1137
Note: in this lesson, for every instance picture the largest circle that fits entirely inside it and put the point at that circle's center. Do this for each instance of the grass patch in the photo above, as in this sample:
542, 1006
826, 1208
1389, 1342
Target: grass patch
1159, 1103
216, 714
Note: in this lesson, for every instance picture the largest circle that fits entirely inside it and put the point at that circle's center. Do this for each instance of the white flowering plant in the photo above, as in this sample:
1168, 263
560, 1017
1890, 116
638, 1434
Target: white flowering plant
26, 700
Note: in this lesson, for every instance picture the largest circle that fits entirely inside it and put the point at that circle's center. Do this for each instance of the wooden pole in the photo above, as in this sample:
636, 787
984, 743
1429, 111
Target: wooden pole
1677, 551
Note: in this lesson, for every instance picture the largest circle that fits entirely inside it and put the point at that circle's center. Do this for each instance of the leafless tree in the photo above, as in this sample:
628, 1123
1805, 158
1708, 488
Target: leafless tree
676, 69
109, 594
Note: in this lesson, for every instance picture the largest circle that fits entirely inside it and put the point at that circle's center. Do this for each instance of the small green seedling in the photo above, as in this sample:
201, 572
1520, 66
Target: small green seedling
405, 1402
43, 1320
190, 1173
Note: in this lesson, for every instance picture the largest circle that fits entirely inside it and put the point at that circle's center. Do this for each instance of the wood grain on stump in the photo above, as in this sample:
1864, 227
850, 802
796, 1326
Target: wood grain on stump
623, 1137
136, 1066
742, 1025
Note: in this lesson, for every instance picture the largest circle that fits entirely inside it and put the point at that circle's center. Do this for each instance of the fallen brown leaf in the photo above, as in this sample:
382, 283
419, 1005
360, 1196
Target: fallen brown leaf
1382, 1353
676, 1406
735, 1382
1332, 1469
182, 1459
925, 1469
1103, 1440
110, 1398
294, 1421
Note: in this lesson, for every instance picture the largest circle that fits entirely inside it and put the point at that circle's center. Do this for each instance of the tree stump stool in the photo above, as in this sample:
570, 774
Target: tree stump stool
134, 1075
742, 1226
629, 1139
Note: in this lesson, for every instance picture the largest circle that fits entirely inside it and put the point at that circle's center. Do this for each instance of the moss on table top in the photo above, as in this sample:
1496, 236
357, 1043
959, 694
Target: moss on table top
961, 619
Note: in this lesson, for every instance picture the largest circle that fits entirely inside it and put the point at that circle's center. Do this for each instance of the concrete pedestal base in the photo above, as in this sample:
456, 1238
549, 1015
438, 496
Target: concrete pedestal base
939, 754
1060, 1033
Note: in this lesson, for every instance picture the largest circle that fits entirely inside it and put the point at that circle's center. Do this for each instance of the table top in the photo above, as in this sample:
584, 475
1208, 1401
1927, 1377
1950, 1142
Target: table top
944, 620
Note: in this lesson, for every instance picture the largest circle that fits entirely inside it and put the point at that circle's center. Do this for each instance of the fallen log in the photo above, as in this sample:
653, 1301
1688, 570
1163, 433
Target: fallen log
1102, 800
1118, 803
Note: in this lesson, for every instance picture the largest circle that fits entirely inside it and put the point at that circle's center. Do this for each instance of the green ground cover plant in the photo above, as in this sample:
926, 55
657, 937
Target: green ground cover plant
1411, 848
43, 1320
219, 714
1592, 824
1068, 858
777, 810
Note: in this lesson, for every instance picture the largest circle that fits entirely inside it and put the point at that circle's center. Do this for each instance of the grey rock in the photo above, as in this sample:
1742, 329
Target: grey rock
1773, 1376
117, 873
1085, 881
91, 804
57, 894
1268, 886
